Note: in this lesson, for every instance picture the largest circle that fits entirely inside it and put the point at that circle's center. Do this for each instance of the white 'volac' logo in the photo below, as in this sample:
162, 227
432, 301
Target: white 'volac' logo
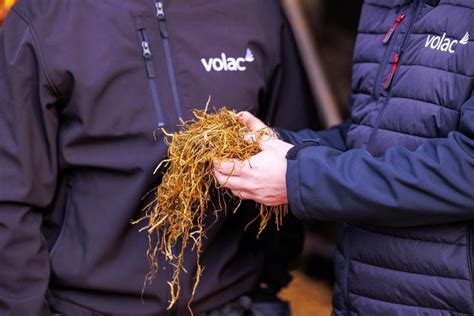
445, 44
225, 63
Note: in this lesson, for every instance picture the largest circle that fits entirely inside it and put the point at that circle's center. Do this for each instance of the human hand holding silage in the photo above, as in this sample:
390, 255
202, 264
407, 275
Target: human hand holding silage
262, 177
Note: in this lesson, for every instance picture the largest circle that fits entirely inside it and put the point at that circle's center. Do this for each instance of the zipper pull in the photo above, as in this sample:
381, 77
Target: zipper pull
160, 14
150, 71
395, 25
388, 80
160, 11
146, 49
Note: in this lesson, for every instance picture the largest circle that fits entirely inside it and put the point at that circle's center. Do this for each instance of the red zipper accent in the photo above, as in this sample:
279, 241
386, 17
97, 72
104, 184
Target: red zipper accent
395, 25
388, 80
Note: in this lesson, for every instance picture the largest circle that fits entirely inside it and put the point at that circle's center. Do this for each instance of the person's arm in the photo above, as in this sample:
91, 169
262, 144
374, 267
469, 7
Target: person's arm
28, 168
334, 137
432, 185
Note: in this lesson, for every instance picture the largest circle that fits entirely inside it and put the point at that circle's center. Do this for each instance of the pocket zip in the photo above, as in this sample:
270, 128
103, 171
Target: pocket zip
163, 28
388, 80
150, 72
162, 24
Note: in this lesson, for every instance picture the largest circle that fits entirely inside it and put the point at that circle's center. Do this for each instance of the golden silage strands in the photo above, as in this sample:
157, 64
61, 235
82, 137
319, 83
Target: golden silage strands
181, 201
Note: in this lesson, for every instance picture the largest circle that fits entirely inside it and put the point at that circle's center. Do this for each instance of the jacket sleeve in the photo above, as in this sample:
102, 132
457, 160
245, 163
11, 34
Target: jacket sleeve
28, 169
334, 137
431, 185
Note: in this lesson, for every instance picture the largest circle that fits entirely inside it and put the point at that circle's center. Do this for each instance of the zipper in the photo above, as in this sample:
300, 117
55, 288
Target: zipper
150, 72
401, 49
394, 27
389, 79
388, 36
161, 16
163, 27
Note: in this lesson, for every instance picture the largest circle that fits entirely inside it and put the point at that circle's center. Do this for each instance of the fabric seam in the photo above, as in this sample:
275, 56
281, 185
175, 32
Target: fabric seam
57, 297
408, 305
362, 92
408, 272
469, 262
416, 239
37, 45
415, 65
400, 132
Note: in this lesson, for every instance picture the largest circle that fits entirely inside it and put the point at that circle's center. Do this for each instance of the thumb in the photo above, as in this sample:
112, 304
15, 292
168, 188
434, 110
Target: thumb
253, 123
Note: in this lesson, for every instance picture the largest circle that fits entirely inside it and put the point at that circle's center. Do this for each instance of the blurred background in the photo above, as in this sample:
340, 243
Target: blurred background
4, 7
325, 32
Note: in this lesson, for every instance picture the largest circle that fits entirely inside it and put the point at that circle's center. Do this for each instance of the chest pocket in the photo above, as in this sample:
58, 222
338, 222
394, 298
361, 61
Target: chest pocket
435, 77
223, 59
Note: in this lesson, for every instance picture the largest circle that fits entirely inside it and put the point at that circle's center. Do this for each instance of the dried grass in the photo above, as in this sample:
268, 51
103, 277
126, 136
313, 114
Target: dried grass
175, 218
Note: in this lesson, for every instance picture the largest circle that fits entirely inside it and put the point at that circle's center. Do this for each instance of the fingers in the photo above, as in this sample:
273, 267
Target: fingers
243, 195
228, 181
229, 167
250, 137
253, 123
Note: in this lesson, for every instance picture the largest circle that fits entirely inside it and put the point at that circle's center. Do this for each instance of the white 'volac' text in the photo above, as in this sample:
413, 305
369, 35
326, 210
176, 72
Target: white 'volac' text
224, 63
445, 44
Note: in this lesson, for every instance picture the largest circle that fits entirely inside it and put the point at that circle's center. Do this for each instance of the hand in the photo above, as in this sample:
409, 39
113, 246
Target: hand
261, 178
255, 125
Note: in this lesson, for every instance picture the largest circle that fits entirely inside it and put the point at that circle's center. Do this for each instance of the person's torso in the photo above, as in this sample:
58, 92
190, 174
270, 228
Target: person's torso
408, 91
124, 70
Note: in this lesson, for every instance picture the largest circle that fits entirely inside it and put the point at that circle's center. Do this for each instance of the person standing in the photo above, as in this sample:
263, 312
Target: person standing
399, 174
84, 85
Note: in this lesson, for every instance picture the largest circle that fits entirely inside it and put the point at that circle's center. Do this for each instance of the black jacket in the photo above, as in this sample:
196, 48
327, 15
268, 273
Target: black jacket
83, 86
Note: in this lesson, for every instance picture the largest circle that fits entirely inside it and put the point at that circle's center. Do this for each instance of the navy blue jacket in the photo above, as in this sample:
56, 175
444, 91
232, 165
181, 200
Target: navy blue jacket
400, 172
84, 84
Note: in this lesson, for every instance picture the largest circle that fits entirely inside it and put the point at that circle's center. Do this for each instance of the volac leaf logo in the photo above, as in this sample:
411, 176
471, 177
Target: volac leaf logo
249, 56
225, 63
465, 39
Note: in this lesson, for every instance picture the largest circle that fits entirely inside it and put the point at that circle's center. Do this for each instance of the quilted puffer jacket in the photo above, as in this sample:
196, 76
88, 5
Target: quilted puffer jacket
400, 173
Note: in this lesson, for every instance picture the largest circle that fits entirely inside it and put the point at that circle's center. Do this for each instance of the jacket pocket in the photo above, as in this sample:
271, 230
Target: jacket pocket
64, 221
150, 74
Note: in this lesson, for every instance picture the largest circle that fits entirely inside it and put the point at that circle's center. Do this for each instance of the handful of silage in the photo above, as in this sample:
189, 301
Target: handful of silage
184, 195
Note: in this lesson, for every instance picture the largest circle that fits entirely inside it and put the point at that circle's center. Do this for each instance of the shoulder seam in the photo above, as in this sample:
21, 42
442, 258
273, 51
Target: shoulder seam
41, 58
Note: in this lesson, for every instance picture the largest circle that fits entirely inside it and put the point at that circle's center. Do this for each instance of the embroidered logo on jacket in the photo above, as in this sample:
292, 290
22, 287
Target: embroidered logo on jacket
445, 44
224, 63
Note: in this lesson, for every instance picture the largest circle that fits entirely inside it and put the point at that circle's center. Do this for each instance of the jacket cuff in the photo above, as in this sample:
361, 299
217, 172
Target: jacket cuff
293, 186
281, 134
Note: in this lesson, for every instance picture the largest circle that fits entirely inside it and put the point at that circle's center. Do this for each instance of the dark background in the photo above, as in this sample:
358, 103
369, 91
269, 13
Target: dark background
333, 25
